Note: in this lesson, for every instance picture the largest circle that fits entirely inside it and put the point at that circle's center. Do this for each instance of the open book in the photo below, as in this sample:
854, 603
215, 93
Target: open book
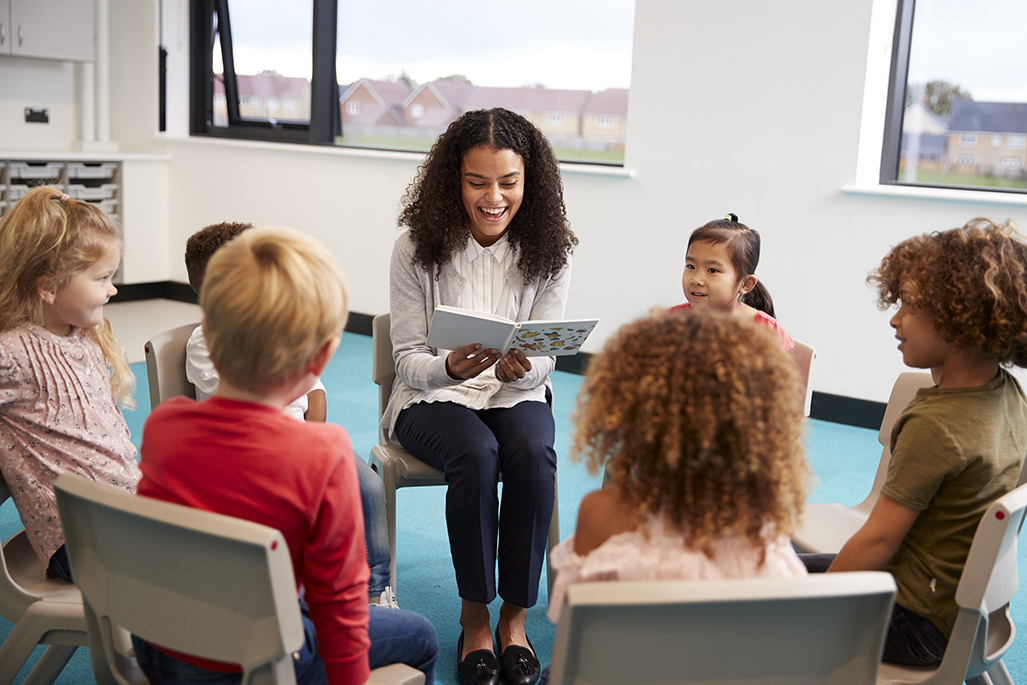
453, 328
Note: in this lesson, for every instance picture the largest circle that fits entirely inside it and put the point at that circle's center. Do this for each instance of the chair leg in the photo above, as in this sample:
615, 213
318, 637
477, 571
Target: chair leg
50, 665
386, 470
554, 537
14, 652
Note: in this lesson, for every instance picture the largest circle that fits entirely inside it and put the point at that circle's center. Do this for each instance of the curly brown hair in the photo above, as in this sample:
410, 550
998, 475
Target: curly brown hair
971, 283
698, 420
202, 245
432, 207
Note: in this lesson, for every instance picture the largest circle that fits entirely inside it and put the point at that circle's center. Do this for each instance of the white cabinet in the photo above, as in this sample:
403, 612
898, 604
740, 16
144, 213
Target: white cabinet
51, 29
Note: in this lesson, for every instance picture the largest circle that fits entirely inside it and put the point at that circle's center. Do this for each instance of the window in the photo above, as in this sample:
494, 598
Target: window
416, 69
957, 84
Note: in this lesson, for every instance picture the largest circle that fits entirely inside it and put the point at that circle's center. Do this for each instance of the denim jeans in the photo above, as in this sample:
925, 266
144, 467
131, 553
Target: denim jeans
397, 636
912, 639
376, 528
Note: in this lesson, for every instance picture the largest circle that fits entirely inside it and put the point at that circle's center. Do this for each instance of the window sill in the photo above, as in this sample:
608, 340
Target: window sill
940, 194
368, 153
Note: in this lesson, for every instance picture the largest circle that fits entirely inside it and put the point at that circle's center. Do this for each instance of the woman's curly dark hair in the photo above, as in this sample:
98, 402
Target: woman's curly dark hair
971, 282
433, 208
699, 419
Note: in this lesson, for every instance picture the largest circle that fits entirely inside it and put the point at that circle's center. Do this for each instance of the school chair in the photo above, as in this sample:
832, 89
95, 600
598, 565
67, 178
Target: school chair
805, 358
165, 364
397, 467
984, 629
44, 610
826, 527
818, 629
189, 580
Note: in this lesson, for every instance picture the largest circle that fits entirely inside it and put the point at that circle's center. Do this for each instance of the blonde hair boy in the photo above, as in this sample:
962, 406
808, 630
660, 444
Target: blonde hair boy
272, 299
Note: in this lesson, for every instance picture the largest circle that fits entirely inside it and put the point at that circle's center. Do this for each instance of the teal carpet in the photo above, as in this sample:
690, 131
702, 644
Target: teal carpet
843, 458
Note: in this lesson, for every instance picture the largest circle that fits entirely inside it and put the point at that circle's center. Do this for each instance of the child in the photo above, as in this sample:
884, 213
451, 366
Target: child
61, 371
274, 308
311, 406
958, 446
703, 441
720, 274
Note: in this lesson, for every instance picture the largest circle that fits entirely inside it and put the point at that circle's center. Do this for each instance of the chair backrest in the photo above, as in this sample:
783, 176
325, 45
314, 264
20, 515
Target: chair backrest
192, 581
984, 630
165, 364
383, 366
905, 388
824, 628
805, 358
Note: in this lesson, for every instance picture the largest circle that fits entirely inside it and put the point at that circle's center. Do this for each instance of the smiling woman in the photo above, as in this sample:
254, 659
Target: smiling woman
488, 232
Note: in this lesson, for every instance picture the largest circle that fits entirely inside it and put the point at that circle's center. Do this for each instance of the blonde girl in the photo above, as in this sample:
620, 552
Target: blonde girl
61, 371
702, 435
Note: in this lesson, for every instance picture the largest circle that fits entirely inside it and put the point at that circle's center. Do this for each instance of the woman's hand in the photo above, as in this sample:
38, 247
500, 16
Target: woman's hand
469, 361
512, 367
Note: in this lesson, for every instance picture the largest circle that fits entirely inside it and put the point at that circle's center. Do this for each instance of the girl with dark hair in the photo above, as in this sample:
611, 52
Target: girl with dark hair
720, 274
487, 231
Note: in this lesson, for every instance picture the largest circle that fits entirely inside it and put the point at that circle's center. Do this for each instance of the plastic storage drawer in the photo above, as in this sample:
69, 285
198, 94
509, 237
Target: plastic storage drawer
103, 170
33, 170
102, 192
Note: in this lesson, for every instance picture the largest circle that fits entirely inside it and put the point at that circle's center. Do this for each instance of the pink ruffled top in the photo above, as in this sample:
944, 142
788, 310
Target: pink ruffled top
653, 553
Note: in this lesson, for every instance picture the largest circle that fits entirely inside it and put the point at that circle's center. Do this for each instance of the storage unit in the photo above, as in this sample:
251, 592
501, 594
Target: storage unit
130, 187
95, 182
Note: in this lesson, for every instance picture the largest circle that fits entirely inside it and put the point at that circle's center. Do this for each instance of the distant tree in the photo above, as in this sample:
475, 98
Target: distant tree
937, 95
456, 78
268, 72
404, 77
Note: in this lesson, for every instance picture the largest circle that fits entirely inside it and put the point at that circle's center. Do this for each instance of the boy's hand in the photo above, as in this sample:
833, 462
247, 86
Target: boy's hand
469, 361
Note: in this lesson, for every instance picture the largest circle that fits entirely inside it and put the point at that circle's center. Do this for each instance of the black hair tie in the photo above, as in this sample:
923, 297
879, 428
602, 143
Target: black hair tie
732, 217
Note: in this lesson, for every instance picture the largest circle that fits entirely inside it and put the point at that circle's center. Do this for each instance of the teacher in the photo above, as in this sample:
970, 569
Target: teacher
488, 231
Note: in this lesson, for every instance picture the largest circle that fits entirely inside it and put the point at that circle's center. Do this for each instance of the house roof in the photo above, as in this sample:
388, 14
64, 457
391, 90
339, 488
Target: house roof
989, 117
526, 99
610, 101
930, 143
385, 93
267, 85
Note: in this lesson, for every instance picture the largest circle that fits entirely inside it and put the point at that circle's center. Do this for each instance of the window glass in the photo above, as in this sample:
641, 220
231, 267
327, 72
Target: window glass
965, 111
415, 66
272, 49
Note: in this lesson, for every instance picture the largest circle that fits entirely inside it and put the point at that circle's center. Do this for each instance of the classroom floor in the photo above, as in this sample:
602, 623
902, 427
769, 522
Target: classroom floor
843, 458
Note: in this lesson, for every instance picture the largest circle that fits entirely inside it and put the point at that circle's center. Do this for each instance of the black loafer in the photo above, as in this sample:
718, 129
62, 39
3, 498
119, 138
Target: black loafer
518, 665
480, 667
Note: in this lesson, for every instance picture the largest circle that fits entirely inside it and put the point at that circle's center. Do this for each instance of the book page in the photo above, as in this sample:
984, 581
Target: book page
544, 338
453, 328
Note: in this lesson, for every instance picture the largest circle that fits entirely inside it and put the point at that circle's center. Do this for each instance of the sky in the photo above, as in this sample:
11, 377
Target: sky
977, 45
577, 44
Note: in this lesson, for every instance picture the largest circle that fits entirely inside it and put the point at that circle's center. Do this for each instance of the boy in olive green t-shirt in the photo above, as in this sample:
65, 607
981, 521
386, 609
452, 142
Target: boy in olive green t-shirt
959, 445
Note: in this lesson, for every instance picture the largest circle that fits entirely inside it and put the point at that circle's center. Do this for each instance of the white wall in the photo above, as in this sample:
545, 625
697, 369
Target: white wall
766, 99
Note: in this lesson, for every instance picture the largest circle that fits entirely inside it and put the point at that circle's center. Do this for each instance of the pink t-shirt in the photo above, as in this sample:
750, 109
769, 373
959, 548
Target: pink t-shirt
761, 318
57, 413
653, 553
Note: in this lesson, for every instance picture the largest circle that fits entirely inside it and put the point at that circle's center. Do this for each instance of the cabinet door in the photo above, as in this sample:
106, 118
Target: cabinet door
54, 29
5, 27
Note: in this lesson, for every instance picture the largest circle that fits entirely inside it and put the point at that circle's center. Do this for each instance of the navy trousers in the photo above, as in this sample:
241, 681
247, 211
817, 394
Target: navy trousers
472, 448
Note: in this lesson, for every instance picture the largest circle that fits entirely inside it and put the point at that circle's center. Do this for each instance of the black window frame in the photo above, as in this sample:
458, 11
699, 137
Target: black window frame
325, 121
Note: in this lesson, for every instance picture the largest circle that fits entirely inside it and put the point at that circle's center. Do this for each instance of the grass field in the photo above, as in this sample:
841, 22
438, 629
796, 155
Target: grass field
966, 180
564, 154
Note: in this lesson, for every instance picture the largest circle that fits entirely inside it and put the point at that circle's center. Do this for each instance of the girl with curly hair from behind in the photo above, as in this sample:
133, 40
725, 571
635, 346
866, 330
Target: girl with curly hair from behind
487, 230
702, 434
958, 446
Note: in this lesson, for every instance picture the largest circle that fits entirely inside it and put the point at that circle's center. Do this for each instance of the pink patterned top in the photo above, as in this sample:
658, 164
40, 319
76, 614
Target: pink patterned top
761, 318
57, 413
653, 553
